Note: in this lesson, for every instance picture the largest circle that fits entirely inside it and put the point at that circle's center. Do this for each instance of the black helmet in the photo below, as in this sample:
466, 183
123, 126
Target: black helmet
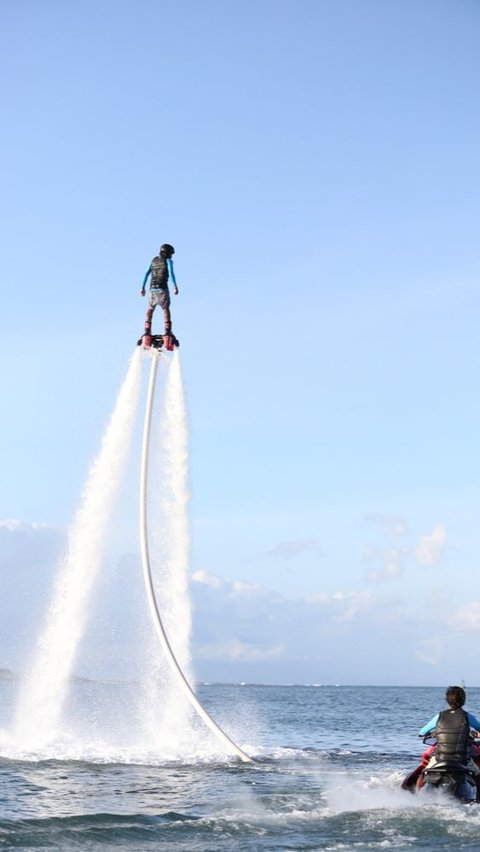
167, 250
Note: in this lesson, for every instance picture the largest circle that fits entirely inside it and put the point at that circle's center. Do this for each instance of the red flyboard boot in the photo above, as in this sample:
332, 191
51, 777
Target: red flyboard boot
169, 339
147, 337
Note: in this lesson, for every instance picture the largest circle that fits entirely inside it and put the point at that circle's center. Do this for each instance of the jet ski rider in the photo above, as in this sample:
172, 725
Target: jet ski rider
452, 732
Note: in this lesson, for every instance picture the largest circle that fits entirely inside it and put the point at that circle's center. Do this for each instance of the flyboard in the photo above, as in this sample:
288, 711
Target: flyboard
156, 341
147, 573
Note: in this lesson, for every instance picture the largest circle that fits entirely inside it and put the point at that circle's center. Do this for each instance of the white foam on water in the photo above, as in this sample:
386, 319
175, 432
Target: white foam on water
355, 792
43, 690
380, 795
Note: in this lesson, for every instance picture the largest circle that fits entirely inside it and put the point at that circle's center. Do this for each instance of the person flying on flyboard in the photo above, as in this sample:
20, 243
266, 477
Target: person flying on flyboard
160, 272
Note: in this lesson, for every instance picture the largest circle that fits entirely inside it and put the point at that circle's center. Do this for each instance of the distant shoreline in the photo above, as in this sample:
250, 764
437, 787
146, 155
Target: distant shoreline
9, 674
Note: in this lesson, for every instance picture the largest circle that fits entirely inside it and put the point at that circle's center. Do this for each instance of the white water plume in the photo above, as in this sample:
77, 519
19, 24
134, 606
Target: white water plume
166, 712
44, 689
157, 719
175, 499
174, 492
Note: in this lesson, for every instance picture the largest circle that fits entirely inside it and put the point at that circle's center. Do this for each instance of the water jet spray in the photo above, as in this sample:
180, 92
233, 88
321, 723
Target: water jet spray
147, 573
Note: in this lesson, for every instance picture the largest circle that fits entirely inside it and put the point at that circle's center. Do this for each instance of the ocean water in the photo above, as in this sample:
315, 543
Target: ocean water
328, 763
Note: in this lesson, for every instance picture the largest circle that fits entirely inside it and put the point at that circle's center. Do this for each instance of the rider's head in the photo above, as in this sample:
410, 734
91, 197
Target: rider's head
455, 696
166, 250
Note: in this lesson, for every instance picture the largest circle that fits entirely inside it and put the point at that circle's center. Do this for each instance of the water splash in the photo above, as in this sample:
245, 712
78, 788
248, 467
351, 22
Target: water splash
156, 720
44, 689
179, 537
166, 713
173, 442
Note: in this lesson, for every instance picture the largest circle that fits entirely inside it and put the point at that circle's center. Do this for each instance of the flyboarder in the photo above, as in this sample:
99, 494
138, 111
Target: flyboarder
161, 271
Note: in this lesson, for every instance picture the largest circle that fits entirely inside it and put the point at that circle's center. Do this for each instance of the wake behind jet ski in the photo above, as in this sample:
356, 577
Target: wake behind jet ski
161, 271
452, 763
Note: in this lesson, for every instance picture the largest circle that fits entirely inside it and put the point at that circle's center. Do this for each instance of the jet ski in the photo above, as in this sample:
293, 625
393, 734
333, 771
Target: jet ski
455, 779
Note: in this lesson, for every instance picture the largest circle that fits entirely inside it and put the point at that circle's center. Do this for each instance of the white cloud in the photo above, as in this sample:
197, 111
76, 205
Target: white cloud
10, 524
204, 578
234, 588
241, 588
431, 651
393, 525
14, 525
290, 549
391, 559
466, 618
262, 635
246, 630
234, 649
355, 602
430, 547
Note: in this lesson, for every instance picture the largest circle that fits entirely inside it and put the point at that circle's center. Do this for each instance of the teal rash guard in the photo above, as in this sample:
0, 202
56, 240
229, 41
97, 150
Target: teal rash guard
432, 724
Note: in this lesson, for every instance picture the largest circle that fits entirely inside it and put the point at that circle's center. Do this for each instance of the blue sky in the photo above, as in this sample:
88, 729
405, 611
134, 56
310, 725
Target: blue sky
316, 165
